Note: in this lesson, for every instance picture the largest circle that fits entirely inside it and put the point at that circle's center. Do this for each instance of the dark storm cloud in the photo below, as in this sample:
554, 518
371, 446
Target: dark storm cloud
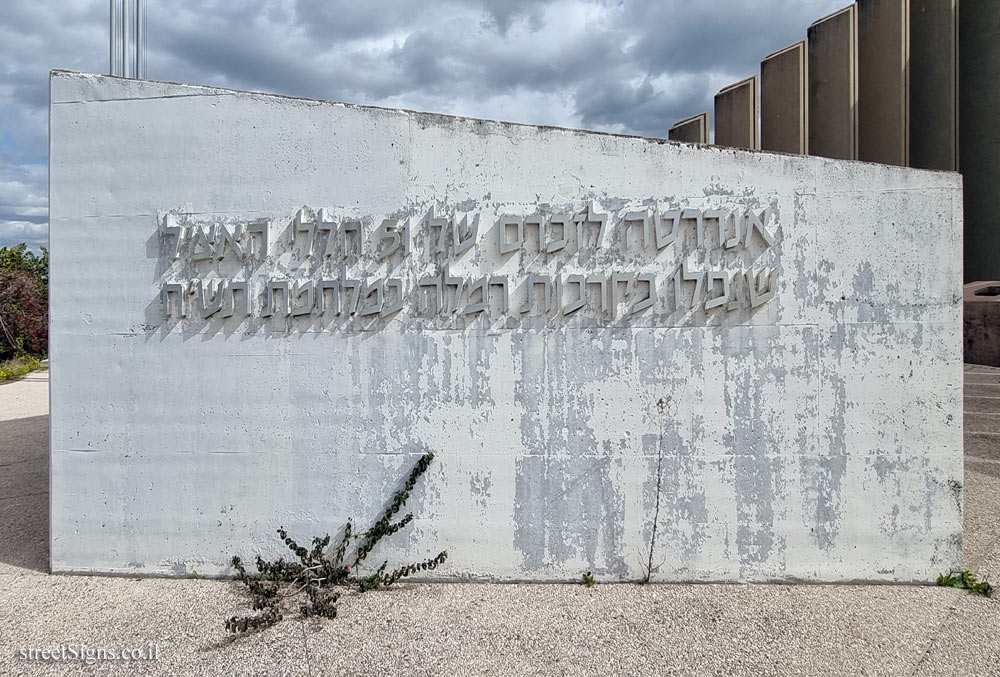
624, 66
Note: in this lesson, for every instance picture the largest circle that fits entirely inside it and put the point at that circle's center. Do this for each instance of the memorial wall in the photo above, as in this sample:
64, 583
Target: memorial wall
263, 309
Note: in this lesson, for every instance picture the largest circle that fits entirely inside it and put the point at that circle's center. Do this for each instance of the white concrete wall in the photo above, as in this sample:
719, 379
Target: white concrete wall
815, 436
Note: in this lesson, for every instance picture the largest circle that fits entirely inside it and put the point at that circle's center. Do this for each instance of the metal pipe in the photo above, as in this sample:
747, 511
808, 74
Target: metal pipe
127, 38
115, 51
140, 39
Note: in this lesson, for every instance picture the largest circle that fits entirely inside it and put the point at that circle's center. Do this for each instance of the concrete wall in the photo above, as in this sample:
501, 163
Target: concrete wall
979, 156
792, 387
736, 114
833, 85
934, 84
691, 130
784, 109
884, 81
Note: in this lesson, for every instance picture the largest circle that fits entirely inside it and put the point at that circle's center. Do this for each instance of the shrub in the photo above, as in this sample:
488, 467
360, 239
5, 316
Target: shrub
19, 366
24, 293
24, 315
317, 572
19, 258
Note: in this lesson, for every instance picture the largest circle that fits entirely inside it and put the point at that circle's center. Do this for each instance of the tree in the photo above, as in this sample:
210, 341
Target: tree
19, 257
24, 314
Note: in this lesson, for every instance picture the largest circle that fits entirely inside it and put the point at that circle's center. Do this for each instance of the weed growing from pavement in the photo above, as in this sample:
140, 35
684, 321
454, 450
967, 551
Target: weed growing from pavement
588, 580
318, 573
967, 581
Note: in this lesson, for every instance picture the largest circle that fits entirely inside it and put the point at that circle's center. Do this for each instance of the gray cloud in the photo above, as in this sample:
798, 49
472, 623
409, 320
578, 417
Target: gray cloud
687, 36
632, 66
348, 20
642, 108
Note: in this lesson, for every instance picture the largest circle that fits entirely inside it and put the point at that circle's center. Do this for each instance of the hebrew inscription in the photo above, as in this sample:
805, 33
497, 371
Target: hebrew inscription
553, 262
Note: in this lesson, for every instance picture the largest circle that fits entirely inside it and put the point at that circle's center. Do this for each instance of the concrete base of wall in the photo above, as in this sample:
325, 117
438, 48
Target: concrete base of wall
982, 322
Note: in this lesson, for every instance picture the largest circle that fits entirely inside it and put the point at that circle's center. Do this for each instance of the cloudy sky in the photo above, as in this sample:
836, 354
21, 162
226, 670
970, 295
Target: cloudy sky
633, 66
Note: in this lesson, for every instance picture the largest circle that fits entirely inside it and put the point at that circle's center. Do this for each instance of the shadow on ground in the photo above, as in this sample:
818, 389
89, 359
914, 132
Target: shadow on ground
24, 492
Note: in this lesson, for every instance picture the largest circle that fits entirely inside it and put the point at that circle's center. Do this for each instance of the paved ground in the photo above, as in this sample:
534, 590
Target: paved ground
500, 629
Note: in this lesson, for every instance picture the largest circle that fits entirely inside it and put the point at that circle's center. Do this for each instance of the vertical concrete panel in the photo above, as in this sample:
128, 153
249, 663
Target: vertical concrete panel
883, 81
934, 84
979, 135
833, 85
784, 110
736, 113
693, 129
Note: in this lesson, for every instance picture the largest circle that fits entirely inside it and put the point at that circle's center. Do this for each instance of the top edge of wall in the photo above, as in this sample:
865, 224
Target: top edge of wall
691, 118
737, 85
831, 15
83, 76
801, 44
193, 90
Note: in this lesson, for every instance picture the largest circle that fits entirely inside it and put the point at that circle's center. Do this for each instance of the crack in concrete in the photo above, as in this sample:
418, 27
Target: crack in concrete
934, 639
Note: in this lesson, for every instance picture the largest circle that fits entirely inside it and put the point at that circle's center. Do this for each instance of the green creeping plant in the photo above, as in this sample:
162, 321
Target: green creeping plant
317, 573
965, 580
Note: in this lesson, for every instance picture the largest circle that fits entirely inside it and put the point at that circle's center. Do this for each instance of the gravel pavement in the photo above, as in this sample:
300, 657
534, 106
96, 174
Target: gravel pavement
470, 629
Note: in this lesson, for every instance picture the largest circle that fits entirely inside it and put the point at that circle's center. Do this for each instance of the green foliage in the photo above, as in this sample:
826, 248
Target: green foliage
967, 581
317, 573
588, 580
20, 259
19, 366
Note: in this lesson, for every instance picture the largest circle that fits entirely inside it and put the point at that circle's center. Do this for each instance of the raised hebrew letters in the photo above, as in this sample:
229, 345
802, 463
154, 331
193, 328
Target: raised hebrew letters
479, 305
274, 286
206, 308
641, 304
508, 245
390, 307
581, 294
436, 299
328, 289
392, 238
716, 301
370, 305
229, 300
549, 261
226, 237
201, 246
304, 298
